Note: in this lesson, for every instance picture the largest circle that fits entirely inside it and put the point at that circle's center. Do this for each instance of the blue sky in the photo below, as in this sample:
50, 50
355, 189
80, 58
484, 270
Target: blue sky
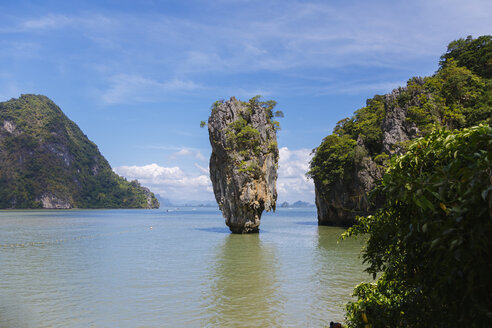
139, 76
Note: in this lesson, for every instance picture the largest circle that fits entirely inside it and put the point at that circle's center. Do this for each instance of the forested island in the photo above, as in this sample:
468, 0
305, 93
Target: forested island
46, 161
419, 160
350, 162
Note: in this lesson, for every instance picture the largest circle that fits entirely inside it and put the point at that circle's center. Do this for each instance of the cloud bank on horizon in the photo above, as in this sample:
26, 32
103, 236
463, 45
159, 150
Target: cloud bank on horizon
177, 185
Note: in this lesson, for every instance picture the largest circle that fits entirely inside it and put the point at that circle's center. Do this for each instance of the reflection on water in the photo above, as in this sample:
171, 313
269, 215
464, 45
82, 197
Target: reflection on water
334, 272
244, 289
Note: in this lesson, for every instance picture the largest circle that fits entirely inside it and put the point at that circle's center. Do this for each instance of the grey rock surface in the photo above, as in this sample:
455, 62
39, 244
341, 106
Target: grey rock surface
344, 202
243, 168
396, 128
348, 199
51, 201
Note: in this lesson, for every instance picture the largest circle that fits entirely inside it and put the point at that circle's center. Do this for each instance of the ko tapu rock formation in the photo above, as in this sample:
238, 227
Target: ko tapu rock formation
244, 160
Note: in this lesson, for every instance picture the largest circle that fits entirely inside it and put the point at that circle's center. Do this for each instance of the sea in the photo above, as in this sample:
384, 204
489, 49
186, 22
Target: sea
172, 267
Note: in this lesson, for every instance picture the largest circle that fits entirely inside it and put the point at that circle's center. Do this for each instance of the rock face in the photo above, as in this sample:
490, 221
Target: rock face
395, 127
243, 164
151, 200
46, 161
348, 197
343, 202
51, 201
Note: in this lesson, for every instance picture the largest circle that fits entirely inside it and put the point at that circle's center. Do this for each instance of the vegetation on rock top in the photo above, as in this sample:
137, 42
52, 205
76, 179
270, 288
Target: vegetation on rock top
243, 140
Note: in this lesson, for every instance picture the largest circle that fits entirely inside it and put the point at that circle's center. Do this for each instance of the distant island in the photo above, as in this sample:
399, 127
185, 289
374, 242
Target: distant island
165, 202
46, 161
297, 204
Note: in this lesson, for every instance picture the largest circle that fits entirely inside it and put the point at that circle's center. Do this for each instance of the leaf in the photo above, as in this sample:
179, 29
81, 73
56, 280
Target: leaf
435, 242
424, 203
485, 193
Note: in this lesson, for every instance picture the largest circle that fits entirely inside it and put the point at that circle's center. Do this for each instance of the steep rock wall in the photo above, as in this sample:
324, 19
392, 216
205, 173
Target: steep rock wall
348, 197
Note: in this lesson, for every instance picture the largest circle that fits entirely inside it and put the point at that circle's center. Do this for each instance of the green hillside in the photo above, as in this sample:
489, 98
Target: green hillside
47, 161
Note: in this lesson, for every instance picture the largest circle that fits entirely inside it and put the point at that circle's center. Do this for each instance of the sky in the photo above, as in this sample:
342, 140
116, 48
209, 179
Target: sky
139, 76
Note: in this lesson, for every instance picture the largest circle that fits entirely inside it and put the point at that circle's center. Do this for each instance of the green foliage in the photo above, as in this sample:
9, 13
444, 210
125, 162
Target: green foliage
475, 54
381, 159
243, 137
279, 113
250, 167
243, 141
216, 104
457, 96
268, 106
431, 238
202, 124
332, 159
48, 154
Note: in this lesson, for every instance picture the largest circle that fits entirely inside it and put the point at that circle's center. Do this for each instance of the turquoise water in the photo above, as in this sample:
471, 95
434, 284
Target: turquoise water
172, 268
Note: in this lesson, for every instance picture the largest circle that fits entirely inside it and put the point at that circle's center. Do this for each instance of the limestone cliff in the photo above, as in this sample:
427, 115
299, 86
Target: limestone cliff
348, 196
46, 161
340, 204
244, 160
349, 163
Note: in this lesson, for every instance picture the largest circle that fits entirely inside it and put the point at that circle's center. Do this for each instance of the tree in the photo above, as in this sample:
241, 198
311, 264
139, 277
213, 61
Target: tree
475, 54
430, 241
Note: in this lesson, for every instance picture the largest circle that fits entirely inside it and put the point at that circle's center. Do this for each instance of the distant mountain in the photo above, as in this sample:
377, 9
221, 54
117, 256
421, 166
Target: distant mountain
197, 203
284, 205
46, 161
166, 202
299, 203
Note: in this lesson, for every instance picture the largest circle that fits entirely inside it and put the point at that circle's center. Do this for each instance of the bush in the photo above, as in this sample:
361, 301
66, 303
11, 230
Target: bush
431, 241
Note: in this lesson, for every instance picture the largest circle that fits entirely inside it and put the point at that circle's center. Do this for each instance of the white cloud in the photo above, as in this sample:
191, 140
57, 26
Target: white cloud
46, 22
170, 182
188, 152
292, 184
126, 88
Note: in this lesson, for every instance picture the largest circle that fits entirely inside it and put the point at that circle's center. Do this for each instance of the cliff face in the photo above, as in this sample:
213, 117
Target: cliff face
46, 161
243, 164
344, 201
347, 197
395, 126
